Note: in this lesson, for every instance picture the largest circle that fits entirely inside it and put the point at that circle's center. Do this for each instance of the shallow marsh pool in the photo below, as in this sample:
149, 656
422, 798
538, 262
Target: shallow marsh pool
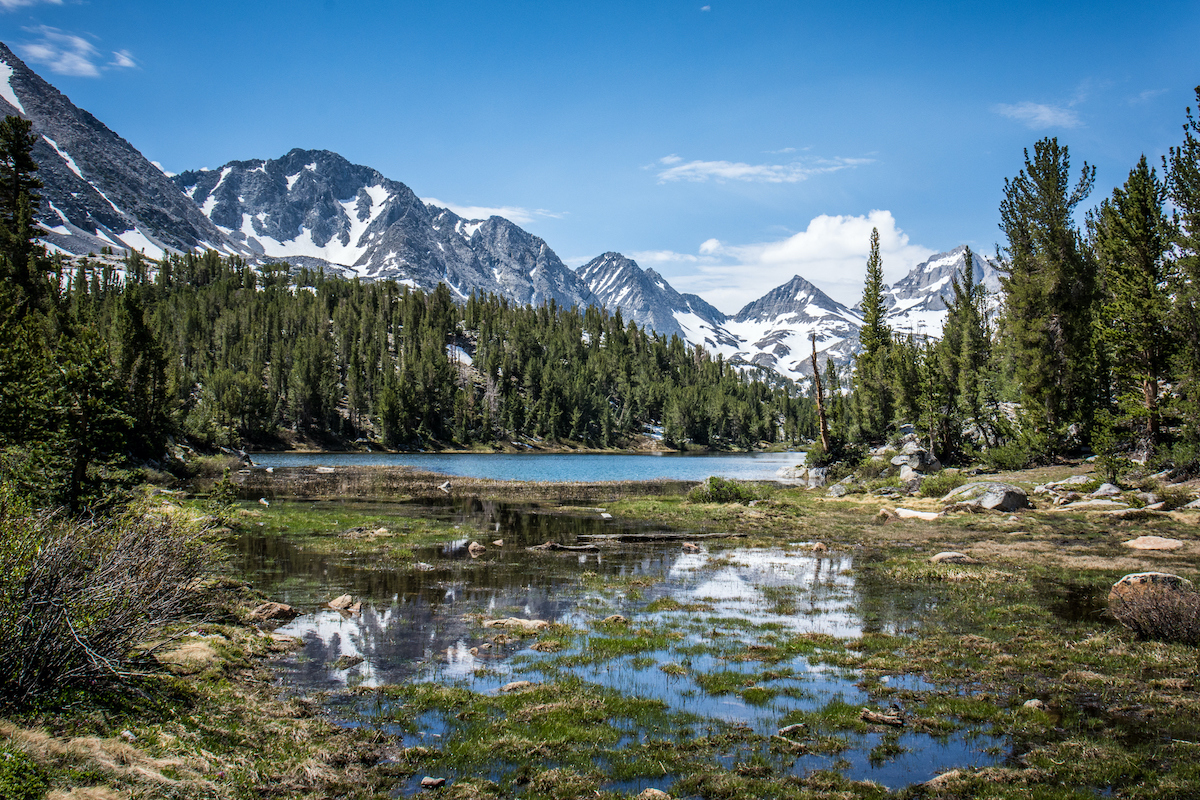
722, 647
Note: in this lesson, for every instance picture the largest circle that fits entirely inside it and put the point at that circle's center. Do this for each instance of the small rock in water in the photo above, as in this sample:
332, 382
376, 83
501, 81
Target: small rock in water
498, 543
346, 662
341, 603
517, 686
421, 566
690, 547
793, 730
1035, 704
475, 549
432, 783
653, 794
616, 619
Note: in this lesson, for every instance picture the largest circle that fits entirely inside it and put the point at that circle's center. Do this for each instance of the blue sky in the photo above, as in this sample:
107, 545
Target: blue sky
729, 145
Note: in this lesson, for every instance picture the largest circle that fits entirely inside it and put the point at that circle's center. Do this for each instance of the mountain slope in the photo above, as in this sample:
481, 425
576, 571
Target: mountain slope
645, 297
99, 190
315, 206
916, 302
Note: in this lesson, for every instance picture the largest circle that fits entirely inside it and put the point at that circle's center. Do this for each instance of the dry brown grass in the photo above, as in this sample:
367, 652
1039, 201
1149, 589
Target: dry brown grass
1160, 613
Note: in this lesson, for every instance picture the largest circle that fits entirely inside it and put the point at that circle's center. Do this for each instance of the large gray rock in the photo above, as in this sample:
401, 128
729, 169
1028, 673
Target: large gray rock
989, 496
818, 477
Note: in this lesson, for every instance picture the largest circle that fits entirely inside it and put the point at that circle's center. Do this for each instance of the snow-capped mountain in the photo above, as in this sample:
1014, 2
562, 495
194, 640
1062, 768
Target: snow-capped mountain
314, 206
99, 191
776, 330
645, 297
916, 302
773, 332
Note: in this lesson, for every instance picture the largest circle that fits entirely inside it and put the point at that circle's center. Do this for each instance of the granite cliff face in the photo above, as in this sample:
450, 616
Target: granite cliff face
315, 207
99, 190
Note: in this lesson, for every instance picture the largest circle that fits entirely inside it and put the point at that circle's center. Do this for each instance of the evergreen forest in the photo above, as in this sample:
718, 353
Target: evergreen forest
1092, 347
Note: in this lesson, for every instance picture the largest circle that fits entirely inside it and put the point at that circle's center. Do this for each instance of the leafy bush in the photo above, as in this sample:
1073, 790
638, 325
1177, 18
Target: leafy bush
222, 499
715, 489
1161, 613
941, 484
20, 777
840, 451
1008, 457
76, 595
873, 468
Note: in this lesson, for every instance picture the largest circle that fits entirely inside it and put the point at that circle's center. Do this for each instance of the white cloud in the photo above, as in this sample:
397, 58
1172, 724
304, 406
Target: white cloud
644, 257
700, 171
1039, 115
122, 59
706, 8
69, 54
831, 253
12, 5
1148, 95
520, 216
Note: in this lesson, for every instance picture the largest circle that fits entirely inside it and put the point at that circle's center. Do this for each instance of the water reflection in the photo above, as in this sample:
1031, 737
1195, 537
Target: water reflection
425, 625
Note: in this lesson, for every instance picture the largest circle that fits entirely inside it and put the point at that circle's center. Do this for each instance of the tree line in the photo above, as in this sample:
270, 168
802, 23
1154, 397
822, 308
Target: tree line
103, 363
1092, 346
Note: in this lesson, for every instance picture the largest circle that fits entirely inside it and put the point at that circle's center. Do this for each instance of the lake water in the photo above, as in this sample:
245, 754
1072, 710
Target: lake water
418, 626
557, 467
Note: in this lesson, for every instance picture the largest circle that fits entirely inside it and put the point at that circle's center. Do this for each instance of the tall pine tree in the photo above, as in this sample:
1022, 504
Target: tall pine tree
873, 401
1183, 187
1132, 236
1050, 288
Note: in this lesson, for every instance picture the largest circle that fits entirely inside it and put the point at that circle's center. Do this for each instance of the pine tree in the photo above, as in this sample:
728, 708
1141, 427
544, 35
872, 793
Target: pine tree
1050, 287
873, 401
1183, 187
1131, 236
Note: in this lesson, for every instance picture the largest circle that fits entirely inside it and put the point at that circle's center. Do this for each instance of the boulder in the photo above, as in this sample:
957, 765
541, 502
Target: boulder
838, 490
1154, 543
796, 473
989, 495
1133, 584
273, 612
1035, 704
818, 477
518, 624
653, 794
1074, 480
341, 603
1192, 506
517, 686
1093, 505
1106, 490
909, 513
952, 557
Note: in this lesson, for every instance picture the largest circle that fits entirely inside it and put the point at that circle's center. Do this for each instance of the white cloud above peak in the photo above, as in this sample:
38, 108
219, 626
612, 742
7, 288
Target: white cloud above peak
67, 53
673, 168
516, 214
1039, 116
831, 253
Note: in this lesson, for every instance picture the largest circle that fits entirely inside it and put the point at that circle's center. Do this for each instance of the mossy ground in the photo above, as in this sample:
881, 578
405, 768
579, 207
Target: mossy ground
973, 644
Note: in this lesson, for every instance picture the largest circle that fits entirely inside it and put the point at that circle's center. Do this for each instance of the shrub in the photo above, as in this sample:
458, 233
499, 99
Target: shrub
1008, 457
77, 595
873, 468
715, 489
942, 483
20, 777
1161, 613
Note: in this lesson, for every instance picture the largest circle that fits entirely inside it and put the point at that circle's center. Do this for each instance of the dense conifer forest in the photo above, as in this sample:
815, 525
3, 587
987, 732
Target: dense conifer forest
1093, 346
